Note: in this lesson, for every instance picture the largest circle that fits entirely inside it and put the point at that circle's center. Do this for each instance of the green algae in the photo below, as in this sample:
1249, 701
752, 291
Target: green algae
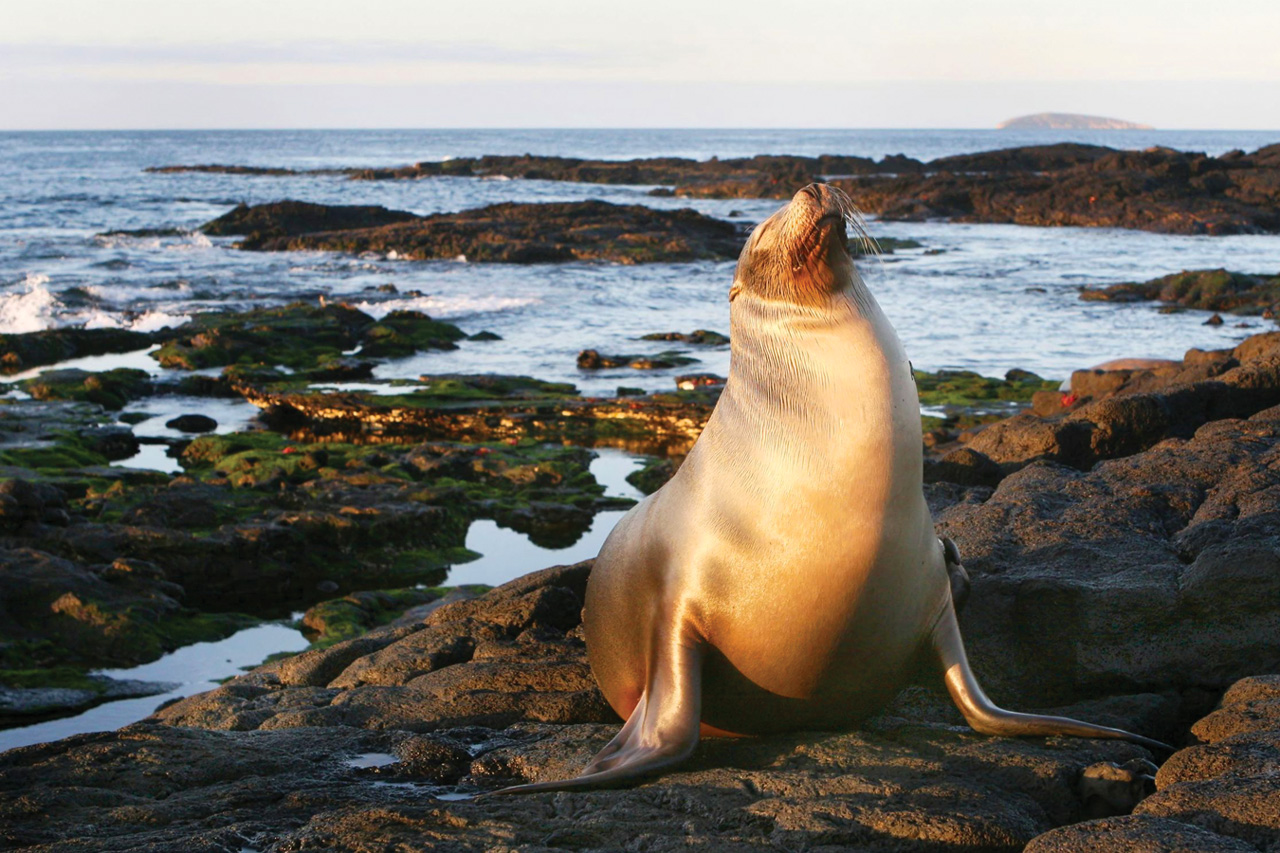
299, 336
964, 388
111, 389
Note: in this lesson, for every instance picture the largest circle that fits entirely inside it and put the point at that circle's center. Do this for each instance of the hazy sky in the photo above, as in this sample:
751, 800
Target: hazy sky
664, 63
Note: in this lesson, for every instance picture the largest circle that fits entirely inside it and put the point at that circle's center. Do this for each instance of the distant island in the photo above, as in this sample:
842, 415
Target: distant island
1069, 121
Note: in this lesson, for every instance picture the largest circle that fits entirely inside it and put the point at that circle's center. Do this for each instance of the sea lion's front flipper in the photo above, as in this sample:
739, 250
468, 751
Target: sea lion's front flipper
661, 731
985, 716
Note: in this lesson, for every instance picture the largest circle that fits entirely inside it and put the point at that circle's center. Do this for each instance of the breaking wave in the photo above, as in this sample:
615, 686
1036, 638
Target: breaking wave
450, 307
29, 310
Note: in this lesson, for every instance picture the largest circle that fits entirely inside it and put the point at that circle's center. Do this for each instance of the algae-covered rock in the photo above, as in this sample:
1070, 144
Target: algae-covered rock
299, 336
1206, 290
33, 349
111, 389
55, 612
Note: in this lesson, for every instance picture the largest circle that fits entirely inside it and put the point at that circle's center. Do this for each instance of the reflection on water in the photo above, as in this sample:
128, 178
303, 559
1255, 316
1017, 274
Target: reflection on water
508, 554
195, 668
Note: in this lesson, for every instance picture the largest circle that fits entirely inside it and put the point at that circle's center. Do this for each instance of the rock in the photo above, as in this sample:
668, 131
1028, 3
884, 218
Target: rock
506, 233
1061, 184
192, 423
965, 466
1215, 320
1109, 789
485, 336
699, 337
33, 349
1119, 412
262, 222
1183, 193
17, 703
914, 790
111, 389
692, 381
308, 338
55, 612
1136, 834
590, 359
1156, 539
1205, 290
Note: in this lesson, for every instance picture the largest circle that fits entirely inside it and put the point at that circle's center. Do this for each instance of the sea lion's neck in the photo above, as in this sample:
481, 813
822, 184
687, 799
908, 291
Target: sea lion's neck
832, 373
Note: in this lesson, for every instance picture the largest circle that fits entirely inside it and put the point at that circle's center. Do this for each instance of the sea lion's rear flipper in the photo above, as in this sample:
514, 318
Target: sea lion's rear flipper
661, 731
986, 717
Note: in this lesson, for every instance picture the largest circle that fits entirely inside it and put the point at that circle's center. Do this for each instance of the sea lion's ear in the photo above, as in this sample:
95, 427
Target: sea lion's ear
735, 290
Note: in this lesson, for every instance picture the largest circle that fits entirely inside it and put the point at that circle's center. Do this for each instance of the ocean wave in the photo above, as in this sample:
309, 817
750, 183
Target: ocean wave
29, 310
451, 307
148, 321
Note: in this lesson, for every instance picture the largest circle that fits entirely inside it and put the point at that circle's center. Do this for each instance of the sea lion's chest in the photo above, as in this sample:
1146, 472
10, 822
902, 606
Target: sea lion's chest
798, 522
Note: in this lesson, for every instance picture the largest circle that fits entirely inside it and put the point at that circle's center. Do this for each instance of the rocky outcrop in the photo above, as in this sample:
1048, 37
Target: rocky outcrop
263, 222
508, 233
1206, 290
1064, 184
1154, 190
55, 612
34, 349
1222, 794
302, 336
1113, 413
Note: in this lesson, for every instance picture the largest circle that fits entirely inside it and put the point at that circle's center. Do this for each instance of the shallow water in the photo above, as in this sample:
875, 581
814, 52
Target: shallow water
508, 554
195, 669
997, 297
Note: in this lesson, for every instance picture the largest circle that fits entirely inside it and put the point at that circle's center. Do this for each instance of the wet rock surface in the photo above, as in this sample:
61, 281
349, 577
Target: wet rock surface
516, 233
483, 692
33, 349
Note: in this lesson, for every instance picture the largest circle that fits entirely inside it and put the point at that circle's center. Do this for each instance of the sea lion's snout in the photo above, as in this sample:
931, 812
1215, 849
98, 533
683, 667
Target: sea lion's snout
801, 253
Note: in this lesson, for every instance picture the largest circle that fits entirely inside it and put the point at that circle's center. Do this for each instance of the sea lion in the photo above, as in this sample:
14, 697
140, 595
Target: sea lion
788, 576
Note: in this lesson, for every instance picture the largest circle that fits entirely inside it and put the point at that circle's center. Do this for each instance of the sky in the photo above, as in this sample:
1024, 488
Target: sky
73, 64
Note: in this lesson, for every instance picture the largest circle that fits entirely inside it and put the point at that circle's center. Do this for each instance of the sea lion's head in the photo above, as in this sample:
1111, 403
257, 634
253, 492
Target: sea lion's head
801, 253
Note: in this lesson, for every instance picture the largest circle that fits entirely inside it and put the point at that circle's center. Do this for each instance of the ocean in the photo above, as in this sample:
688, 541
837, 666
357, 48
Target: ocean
980, 297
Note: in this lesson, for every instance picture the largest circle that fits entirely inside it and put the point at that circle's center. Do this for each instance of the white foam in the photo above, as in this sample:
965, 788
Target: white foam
31, 310
148, 321
447, 306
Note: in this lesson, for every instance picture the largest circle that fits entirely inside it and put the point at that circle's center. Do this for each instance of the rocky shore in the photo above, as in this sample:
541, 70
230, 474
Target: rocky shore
1158, 189
1121, 542
500, 233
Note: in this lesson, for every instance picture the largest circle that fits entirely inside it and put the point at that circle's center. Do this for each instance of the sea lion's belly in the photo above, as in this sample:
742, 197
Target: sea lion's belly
809, 618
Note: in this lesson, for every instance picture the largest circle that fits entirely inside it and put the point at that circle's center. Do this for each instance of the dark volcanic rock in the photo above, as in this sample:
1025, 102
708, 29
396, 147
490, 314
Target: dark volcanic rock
33, 349
1155, 190
532, 233
590, 359
911, 789
290, 218
55, 612
1207, 290
1223, 795
285, 765
1119, 412
1152, 571
306, 337
192, 423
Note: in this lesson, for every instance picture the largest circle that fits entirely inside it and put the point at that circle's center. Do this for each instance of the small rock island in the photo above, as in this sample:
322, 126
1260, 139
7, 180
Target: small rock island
1069, 121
